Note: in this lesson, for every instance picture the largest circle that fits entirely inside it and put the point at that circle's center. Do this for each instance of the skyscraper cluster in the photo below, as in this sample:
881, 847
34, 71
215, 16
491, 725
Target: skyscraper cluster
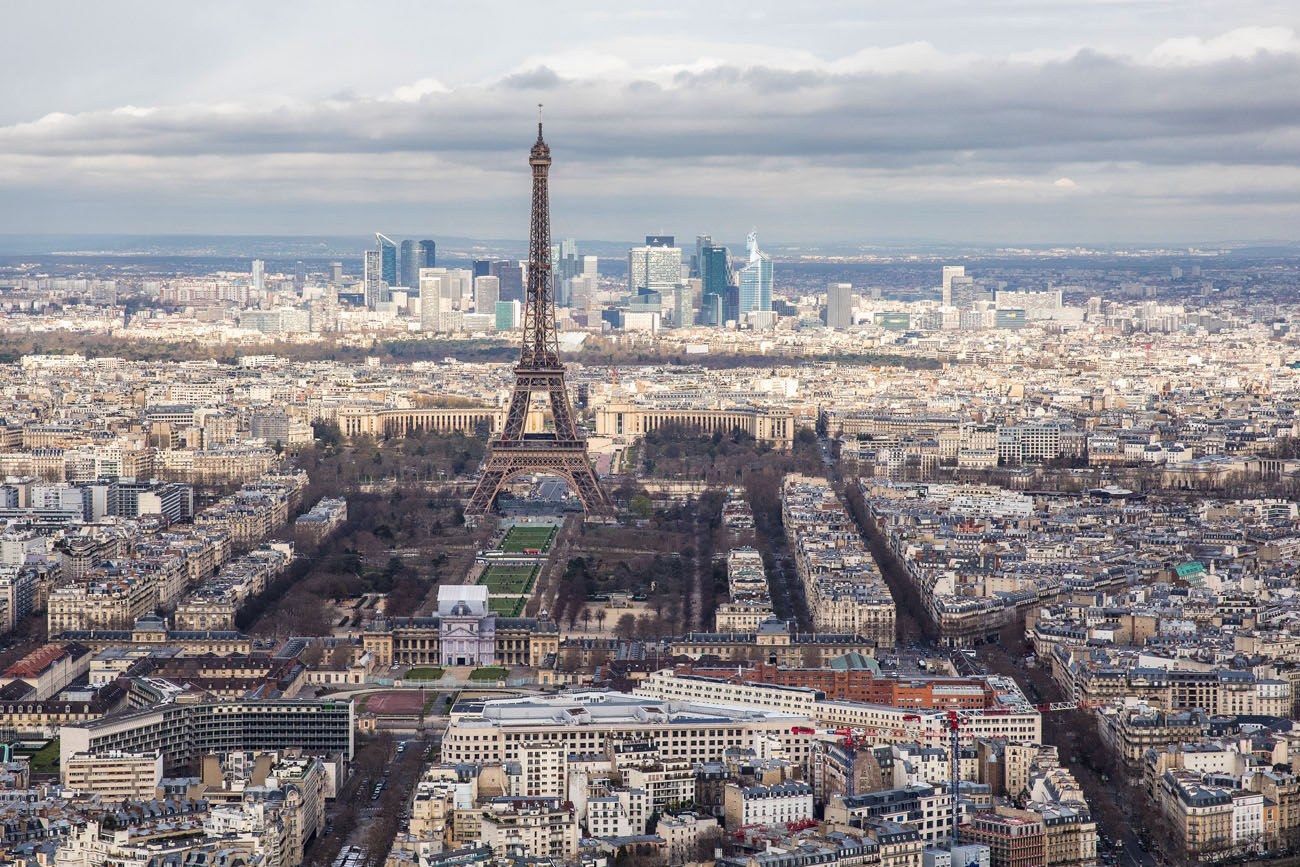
383, 269
667, 285
706, 290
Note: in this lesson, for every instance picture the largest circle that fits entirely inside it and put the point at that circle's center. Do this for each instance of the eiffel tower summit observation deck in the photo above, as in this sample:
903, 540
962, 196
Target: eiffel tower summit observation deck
559, 451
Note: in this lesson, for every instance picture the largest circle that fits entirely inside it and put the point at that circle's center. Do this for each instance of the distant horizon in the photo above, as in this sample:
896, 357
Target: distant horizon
127, 244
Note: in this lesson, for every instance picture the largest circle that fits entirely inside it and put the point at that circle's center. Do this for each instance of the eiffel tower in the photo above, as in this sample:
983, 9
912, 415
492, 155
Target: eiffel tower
560, 452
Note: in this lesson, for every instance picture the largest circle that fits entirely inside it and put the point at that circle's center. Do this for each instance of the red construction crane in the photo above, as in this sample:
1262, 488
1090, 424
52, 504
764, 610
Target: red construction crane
951, 729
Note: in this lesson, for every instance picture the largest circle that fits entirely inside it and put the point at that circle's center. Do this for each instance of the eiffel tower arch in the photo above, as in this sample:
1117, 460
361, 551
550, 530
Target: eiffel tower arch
561, 451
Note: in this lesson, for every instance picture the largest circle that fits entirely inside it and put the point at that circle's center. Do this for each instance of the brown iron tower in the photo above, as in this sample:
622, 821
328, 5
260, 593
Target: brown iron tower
561, 451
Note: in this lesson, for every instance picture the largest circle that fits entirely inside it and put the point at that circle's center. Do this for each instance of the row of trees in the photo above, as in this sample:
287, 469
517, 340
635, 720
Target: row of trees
405, 351
422, 456
401, 543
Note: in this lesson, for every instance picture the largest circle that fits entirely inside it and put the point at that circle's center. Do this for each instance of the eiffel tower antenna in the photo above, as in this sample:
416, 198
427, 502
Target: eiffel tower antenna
561, 451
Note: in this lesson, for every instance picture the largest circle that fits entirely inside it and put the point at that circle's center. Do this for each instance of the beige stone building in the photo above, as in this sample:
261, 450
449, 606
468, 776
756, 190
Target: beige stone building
115, 776
540, 827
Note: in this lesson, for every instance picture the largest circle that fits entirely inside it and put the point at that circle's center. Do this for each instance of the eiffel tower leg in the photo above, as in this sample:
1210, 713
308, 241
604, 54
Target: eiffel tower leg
485, 493
516, 414
583, 479
560, 411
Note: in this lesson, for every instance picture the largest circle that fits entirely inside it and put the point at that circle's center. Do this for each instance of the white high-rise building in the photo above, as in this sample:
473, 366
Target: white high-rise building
582, 292
455, 286
458, 285
755, 279
686, 302
589, 266
657, 269
839, 305
432, 302
949, 272
487, 292
376, 289
259, 275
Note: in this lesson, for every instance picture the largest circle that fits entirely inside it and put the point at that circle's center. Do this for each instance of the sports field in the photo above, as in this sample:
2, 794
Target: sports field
521, 537
507, 606
401, 702
503, 580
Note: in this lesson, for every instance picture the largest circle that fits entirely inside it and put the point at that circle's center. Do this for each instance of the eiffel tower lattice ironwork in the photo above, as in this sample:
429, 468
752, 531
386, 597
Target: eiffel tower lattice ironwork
560, 452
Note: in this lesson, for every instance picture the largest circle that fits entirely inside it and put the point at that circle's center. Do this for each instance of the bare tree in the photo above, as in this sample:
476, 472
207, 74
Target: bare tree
341, 655
312, 654
626, 627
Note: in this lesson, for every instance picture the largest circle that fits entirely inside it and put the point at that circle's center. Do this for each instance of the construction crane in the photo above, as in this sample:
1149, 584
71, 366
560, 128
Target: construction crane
951, 731
954, 771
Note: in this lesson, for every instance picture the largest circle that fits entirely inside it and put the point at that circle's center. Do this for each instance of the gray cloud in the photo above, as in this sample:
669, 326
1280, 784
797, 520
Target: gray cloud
1065, 136
1089, 107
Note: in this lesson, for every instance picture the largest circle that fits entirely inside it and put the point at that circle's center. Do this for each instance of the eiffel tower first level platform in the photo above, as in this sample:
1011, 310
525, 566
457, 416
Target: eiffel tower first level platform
561, 451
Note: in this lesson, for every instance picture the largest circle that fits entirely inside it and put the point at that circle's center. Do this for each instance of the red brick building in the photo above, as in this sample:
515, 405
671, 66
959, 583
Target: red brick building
1016, 838
924, 693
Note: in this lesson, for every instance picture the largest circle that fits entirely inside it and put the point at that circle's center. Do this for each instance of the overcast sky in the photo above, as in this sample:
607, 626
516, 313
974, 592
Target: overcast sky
1002, 121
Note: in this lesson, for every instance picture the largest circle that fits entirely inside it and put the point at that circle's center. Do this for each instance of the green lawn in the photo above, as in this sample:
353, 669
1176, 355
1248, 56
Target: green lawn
489, 673
521, 537
507, 606
46, 759
502, 580
424, 673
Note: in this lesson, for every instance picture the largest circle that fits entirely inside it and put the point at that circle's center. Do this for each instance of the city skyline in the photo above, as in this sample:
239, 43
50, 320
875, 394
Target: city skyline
891, 458
1031, 123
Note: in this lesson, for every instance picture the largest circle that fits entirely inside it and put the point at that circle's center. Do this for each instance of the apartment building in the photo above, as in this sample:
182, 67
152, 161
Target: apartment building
587, 722
1016, 838
182, 732
538, 827
779, 804
1013, 717
114, 775
842, 585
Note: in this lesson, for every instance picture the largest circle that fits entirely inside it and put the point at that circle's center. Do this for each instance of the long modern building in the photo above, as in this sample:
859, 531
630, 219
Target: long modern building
927, 692
1011, 717
185, 732
588, 722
